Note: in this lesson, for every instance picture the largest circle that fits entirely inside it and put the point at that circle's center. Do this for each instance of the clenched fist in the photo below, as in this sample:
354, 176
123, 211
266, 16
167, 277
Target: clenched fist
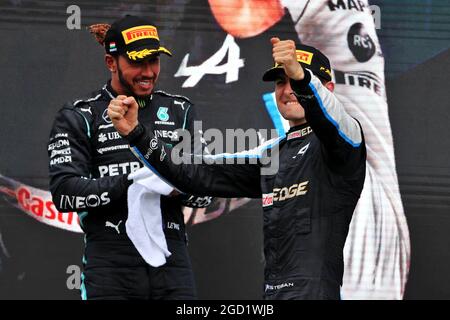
283, 53
123, 112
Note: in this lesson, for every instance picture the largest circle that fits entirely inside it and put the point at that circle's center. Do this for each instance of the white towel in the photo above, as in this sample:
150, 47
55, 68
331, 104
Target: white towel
144, 225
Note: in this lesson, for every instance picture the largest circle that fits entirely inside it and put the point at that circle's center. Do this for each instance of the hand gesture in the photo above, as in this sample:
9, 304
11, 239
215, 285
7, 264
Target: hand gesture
285, 55
123, 112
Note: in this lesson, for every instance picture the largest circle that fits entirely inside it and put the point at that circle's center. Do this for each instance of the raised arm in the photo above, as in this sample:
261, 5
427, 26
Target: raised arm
340, 135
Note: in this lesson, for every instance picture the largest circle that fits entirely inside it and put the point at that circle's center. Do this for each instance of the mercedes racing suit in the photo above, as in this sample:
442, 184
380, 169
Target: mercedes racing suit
308, 203
89, 165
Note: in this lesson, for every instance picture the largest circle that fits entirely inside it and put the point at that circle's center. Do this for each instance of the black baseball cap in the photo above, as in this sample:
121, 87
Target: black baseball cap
134, 37
310, 58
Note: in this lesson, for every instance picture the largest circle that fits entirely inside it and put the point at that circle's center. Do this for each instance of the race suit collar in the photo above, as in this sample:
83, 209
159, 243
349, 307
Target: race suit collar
299, 131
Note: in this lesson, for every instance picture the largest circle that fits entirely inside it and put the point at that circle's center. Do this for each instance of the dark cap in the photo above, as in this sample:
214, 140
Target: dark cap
134, 37
310, 58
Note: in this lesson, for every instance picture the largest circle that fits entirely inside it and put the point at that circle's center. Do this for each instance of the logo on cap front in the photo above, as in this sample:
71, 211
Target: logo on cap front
139, 33
134, 55
304, 56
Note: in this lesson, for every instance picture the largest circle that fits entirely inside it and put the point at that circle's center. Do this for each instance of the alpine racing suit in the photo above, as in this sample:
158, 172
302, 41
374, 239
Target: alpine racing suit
308, 203
89, 165
378, 250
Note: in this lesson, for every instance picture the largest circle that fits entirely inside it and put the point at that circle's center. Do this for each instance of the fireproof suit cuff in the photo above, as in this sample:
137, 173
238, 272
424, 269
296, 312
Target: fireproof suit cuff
135, 135
300, 85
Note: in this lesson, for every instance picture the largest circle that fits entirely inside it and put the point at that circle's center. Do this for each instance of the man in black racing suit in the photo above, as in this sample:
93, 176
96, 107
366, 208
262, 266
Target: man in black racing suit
308, 203
90, 163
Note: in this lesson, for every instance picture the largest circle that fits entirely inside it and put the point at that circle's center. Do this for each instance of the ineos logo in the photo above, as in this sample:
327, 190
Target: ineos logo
93, 200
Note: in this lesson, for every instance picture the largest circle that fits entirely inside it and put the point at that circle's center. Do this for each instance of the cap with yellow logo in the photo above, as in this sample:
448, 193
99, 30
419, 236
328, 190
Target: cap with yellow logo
134, 37
310, 58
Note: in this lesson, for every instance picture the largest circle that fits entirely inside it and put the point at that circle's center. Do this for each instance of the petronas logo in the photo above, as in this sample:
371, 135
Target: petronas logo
162, 114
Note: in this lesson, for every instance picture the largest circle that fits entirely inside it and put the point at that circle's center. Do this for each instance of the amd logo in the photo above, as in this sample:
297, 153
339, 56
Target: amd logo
60, 160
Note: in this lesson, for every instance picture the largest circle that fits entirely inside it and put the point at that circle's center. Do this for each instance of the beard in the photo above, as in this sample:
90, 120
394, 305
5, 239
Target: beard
129, 86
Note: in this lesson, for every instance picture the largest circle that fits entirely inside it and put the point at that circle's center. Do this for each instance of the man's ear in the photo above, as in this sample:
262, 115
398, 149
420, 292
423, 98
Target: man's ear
329, 85
111, 63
